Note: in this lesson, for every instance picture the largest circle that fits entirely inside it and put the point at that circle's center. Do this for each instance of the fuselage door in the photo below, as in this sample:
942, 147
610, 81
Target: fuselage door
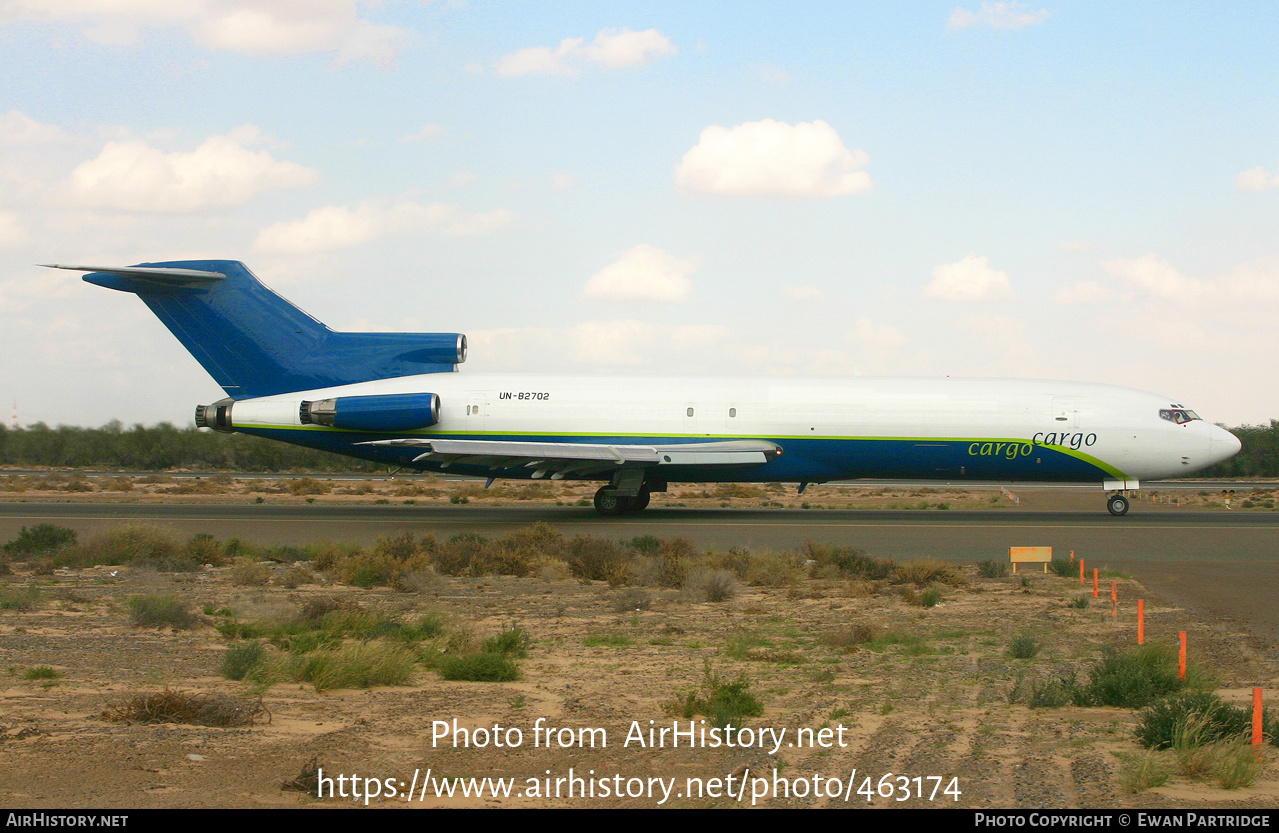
1065, 412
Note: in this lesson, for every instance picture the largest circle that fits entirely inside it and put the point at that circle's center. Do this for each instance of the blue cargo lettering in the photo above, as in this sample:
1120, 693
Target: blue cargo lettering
1076, 440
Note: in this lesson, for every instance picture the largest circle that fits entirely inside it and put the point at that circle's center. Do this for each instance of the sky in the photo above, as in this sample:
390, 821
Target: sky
1075, 190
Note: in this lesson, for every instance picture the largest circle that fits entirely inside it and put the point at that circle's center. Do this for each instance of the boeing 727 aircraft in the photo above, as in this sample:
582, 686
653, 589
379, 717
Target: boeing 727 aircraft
396, 398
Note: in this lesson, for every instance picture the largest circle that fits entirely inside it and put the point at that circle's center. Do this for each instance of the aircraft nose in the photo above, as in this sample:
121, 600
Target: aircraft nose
1223, 445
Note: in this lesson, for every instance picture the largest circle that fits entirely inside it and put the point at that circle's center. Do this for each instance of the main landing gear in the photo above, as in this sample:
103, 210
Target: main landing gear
1117, 504
609, 502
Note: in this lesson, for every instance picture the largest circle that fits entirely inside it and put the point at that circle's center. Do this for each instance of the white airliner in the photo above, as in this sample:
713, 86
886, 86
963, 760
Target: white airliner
395, 398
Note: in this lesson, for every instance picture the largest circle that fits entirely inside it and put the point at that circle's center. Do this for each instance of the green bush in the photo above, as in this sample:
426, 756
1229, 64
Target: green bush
21, 600
723, 703
357, 665
481, 667
1063, 567
512, 642
989, 568
1024, 647
157, 610
241, 659
1164, 721
40, 540
1132, 679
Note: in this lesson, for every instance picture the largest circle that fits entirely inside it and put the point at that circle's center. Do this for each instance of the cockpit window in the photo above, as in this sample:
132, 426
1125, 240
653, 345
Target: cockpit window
1178, 415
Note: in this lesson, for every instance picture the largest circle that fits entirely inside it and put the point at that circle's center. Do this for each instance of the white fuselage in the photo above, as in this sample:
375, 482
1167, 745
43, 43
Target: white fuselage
950, 428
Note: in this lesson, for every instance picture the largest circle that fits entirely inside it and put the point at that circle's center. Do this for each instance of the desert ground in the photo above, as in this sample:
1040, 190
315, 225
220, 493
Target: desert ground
867, 695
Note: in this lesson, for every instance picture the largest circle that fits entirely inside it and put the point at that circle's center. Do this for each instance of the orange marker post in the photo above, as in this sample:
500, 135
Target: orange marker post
1072, 556
1256, 720
1181, 657
1081, 571
1114, 598
1096, 576
1141, 621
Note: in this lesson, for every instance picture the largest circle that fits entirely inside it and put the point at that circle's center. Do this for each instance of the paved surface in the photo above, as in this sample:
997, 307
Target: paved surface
1224, 564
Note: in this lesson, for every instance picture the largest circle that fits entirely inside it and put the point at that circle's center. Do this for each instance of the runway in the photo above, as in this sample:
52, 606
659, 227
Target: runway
1224, 564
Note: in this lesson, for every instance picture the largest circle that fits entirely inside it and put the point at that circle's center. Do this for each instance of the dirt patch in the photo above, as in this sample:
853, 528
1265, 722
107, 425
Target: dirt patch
853, 676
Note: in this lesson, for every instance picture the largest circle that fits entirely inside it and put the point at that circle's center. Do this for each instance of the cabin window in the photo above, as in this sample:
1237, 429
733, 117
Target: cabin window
689, 412
732, 412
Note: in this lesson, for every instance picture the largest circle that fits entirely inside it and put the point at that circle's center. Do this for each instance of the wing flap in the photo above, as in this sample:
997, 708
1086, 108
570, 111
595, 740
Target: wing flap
565, 459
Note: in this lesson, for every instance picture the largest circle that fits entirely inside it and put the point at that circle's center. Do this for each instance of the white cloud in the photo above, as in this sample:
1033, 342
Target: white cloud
1256, 179
133, 176
429, 131
867, 333
801, 293
17, 128
12, 232
969, 279
539, 60
1084, 292
611, 49
644, 273
599, 345
1256, 280
997, 15
562, 181
1157, 277
244, 26
769, 157
337, 227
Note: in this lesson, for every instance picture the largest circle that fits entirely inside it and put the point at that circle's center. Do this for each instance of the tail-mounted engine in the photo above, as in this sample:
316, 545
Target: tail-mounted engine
385, 412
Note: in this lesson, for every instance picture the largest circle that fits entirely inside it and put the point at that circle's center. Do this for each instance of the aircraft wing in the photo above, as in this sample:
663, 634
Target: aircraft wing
560, 460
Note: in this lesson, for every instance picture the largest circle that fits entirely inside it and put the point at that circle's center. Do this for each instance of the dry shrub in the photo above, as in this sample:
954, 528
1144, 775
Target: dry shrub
390, 560
769, 568
420, 580
144, 545
712, 585
309, 486
246, 573
859, 589
632, 599
553, 569
852, 637
296, 576
184, 707
724, 491
315, 609
832, 561
596, 559
674, 559
925, 571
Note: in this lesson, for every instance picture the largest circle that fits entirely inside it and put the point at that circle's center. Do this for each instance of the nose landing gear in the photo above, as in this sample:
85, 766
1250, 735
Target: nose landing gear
1117, 504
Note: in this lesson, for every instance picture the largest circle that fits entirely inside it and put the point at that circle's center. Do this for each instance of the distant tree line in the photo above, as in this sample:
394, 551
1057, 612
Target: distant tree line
1258, 458
160, 447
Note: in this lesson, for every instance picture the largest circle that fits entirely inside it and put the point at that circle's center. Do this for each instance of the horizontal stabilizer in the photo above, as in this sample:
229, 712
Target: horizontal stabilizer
150, 273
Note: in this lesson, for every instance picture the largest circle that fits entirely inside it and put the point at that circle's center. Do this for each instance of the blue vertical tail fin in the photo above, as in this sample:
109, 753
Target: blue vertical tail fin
255, 343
